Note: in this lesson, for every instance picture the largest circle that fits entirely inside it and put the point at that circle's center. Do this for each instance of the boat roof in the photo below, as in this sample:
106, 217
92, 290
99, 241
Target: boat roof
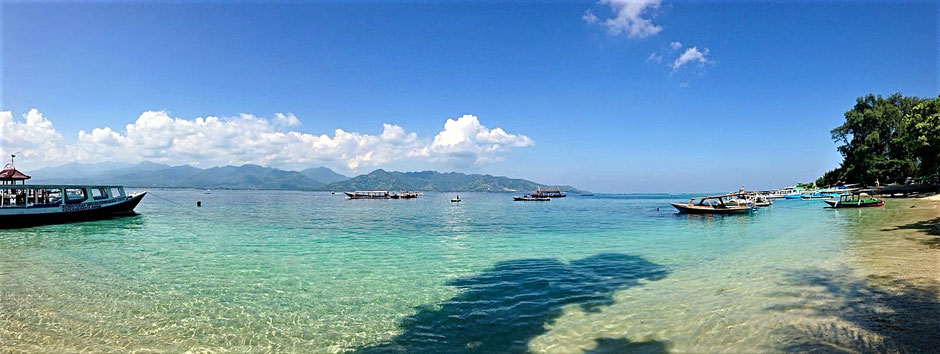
56, 186
11, 173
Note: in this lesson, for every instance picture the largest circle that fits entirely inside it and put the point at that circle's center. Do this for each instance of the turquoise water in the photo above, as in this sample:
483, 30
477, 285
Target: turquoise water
302, 271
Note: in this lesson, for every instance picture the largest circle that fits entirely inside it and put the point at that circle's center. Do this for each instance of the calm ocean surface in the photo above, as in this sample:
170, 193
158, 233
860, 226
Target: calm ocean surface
298, 271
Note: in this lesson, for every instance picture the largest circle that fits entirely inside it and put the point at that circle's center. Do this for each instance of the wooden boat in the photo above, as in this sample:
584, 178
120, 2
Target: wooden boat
715, 205
548, 193
531, 198
404, 195
859, 200
368, 195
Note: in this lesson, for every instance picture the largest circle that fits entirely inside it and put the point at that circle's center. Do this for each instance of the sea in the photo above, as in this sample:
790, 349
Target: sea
314, 272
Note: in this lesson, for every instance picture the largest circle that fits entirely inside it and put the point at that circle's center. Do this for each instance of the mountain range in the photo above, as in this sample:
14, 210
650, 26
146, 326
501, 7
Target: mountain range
148, 174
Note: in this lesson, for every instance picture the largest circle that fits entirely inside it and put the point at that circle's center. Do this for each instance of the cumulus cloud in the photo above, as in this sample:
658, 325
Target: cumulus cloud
691, 55
466, 139
209, 141
629, 18
675, 45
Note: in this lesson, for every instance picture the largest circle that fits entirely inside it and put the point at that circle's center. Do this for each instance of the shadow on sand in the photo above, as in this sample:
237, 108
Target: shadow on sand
929, 227
882, 315
503, 308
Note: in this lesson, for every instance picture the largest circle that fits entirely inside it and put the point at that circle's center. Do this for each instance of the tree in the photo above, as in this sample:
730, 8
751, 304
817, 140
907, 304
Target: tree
875, 144
923, 135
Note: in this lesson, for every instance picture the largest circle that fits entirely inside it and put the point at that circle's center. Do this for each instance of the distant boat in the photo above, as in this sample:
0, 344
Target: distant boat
715, 205
368, 195
860, 200
548, 193
531, 198
404, 195
820, 195
455, 200
208, 191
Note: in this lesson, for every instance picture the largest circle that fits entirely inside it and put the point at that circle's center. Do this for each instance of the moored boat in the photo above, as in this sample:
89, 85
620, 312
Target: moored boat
368, 195
548, 193
23, 205
860, 200
531, 198
715, 205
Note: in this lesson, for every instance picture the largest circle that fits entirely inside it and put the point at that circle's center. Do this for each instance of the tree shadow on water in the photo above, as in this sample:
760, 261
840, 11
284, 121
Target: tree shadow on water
930, 227
503, 308
876, 315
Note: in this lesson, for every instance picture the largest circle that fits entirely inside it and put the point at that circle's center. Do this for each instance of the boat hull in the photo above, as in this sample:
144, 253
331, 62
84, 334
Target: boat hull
64, 215
532, 199
696, 209
840, 205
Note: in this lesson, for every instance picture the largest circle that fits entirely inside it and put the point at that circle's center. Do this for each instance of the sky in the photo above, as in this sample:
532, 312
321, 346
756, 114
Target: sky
610, 96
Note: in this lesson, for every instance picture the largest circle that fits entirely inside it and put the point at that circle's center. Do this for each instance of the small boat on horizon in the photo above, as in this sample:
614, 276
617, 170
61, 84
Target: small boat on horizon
368, 195
456, 200
548, 193
530, 198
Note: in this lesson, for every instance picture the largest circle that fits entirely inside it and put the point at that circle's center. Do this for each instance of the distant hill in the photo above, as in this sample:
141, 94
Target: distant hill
323, 175
146, 174
432, 181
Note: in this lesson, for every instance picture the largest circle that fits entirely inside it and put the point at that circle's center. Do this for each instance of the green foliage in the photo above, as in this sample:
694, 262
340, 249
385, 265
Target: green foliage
923, 135
876, 143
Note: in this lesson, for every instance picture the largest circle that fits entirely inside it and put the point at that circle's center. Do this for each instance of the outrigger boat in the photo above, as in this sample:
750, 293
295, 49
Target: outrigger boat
531, 198
404, 195
548, 193
368, 195
24, 205
860, 200
715, 205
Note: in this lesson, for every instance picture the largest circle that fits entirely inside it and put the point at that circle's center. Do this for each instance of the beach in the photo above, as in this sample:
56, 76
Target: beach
307, 271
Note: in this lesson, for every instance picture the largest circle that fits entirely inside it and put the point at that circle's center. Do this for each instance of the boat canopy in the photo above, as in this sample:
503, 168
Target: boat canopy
9, 175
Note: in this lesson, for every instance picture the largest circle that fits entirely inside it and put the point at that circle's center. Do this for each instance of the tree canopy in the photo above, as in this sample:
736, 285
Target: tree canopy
887, 138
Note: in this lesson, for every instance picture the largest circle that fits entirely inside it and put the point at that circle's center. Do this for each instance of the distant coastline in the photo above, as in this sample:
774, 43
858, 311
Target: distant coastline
245, 177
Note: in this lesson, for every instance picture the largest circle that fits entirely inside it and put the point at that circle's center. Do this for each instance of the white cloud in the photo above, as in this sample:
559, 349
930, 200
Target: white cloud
211, 141
628, 18
589, 17
286, 120
654, 58
691, 55
467, 140
675, 45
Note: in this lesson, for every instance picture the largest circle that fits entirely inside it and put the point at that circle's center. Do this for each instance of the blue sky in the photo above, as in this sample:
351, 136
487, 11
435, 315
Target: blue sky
601, 110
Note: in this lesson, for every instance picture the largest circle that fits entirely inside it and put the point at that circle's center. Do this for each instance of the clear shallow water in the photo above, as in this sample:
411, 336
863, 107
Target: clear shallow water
315, 272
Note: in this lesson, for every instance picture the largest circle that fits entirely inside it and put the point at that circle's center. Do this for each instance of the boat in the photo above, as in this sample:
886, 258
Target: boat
548, 193
368, 195
820, 195
531, 198
859, 200
23, 205
404, 195
455, 200
715, 205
